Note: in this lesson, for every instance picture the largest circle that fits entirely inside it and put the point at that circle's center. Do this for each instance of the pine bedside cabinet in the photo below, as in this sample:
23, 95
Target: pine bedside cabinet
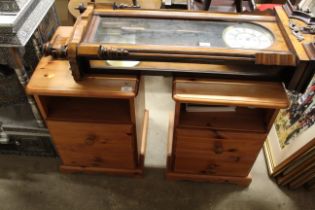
98, 125
219, 128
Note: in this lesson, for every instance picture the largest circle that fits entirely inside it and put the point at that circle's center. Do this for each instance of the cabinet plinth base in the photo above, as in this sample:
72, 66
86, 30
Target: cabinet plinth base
138, 172
241, 181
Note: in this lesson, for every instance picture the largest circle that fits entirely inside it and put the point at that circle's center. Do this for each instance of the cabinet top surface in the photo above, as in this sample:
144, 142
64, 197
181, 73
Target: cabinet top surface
53, 77
234, 93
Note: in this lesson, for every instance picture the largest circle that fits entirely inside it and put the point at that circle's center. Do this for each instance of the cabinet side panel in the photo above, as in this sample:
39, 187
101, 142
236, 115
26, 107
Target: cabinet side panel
139, 107
42, 106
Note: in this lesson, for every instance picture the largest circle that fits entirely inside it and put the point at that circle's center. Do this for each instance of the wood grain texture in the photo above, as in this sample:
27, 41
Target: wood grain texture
256, 71
138, 171
93, 144
209, 146
219, 134
79, 31
53, 77
88, 109
277, 54
172, 159
221, 157
92, 122
275, 58
231, 92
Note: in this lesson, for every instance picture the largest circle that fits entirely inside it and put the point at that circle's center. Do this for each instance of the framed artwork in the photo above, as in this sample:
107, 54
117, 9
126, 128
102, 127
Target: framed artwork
293, 133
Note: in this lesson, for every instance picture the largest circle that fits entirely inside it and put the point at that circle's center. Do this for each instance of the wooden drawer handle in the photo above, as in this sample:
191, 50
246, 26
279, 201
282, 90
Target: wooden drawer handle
90, 139
218, 147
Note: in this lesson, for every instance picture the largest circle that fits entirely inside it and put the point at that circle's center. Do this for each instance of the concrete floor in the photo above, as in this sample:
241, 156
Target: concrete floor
31, 183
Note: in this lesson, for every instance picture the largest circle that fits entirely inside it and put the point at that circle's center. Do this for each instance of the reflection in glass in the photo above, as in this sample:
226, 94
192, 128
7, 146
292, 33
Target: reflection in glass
176, 33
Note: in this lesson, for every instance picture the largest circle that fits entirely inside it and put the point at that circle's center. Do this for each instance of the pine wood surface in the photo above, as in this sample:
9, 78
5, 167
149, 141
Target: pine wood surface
98, 125
190, 168
209, 146
88, 109
231, 92
224, 69
90, 144
219, 134
136, 171
53, 77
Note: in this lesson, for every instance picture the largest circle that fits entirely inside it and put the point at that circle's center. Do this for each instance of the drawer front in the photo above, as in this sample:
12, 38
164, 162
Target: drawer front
215, 153
217, 146
220, 134
211, 166
94, 144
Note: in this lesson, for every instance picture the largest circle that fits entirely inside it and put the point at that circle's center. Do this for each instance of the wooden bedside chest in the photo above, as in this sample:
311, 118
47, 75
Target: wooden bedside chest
98, 124
219, 127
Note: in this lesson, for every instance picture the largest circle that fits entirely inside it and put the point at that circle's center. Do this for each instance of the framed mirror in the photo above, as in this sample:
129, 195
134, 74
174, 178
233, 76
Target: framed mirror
301, 9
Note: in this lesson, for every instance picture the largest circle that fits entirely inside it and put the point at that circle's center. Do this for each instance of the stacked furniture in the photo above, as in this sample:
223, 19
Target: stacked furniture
90, 93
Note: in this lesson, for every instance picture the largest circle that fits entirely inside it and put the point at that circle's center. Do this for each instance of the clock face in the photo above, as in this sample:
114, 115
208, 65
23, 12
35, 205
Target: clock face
247, 36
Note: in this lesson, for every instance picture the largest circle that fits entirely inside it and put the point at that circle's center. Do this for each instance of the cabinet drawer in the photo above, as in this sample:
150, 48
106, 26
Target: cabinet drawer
94, 144
215, 156
212, 166
219, 147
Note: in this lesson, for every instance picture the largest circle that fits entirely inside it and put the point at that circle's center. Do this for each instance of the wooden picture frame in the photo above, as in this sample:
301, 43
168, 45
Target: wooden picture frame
287, 141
